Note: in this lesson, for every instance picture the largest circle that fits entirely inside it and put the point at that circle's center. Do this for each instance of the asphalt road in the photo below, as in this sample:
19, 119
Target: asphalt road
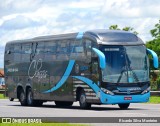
14, 109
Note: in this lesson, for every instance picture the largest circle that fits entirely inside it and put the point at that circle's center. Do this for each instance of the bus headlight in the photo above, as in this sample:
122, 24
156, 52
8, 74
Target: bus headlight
107, 91
147, 90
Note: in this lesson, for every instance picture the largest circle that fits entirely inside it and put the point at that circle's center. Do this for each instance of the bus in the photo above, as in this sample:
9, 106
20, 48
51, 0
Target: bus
93, 67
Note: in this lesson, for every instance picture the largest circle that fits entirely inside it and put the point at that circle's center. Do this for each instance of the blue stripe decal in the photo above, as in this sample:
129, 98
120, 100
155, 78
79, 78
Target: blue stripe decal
89, 82
80, 35
102, 58
110, 99
64, 77
155, 57
94, 86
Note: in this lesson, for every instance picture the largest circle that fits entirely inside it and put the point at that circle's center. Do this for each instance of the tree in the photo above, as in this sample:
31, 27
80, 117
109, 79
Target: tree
155, 46
115, 27
155, 43
156, 31
129, 29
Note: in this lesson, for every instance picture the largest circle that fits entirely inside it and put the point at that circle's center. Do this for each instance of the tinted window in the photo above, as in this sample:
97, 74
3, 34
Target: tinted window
9, 49
77, 49
63, 50
40, 50
118, 37
88, 47
26, 52
17, 52
50, 51
9, 55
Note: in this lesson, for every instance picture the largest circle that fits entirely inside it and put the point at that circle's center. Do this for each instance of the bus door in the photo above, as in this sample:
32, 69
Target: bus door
92, 73
95, 73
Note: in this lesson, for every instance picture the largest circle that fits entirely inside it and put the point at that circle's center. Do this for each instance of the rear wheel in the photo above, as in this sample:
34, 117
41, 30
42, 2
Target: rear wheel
22, 98
82, 101
63, 103
124, 106
31, 101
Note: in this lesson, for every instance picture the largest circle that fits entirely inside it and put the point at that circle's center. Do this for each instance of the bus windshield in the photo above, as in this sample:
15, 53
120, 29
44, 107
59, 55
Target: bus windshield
125, 64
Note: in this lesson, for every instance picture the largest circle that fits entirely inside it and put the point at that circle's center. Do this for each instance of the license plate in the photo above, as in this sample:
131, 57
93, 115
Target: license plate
127, 98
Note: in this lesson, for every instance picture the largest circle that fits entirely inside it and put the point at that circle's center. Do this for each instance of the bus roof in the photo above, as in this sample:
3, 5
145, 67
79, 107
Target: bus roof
103, 36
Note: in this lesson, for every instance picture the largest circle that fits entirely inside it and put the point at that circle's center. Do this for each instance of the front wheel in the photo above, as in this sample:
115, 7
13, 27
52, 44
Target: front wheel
82, 101
124, 106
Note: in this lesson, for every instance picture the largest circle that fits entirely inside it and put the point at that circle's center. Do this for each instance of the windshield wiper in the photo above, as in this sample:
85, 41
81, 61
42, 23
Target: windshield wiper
134, 74
123, 70
127, 68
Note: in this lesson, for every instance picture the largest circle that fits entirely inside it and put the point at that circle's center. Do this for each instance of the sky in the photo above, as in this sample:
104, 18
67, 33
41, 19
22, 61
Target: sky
22, 19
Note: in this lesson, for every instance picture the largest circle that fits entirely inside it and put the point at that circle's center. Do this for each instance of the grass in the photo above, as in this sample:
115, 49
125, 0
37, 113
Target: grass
154, 100
2, 96
41, 124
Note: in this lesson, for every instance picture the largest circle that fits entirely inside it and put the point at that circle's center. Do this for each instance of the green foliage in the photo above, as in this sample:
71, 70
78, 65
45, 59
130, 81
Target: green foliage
115, 27
1, 96
154, 100
155, 43
155, 46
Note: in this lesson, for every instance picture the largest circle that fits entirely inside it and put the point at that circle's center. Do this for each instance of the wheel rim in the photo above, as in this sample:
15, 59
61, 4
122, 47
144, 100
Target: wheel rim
29, 98
22, 97
82, 99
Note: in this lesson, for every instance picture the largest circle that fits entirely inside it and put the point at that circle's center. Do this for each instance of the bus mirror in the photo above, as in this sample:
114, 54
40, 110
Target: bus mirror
155, 57
101, 57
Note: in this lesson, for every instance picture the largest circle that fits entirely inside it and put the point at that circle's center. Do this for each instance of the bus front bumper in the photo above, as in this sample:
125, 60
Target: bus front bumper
118, 99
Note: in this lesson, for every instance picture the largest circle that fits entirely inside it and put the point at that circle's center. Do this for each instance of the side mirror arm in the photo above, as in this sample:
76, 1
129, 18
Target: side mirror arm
155, 58
101, 57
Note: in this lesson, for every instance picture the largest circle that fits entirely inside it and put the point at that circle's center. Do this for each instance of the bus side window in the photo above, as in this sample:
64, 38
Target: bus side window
62, 50
50, 51
17, 53
88, 47
39, 53
77, 50
9, 54
72, 49
26, 52
88, 50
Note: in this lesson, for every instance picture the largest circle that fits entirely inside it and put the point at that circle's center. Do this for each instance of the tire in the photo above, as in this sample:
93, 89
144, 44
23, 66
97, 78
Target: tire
22, 98
11, 99
124, 106
82, 101
63, 103
31, 101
